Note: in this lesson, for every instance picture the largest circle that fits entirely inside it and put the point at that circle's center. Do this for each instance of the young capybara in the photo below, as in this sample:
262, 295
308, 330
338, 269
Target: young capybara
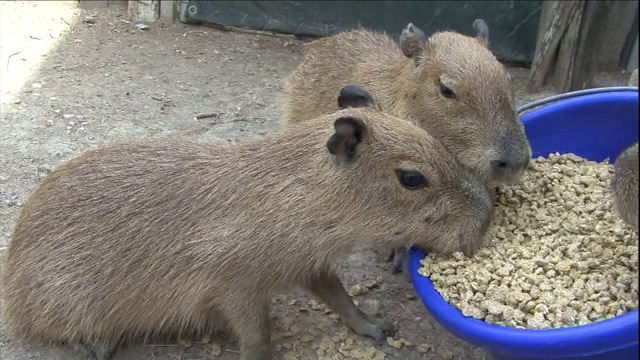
148, 237
624, 185
450, 84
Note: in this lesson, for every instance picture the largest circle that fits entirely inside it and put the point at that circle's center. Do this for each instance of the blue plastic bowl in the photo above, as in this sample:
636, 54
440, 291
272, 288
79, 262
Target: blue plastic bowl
595, 124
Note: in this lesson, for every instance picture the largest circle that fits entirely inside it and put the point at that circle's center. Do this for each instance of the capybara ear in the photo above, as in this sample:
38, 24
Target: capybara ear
482, 32
353, 96
412, 41
349, 133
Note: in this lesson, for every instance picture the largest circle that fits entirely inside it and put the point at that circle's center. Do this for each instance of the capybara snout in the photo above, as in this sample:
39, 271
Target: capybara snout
510, 157
468, 199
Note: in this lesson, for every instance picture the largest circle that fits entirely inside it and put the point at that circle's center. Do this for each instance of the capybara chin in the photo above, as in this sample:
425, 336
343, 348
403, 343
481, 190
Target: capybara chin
450, 84
624, 185
144, 237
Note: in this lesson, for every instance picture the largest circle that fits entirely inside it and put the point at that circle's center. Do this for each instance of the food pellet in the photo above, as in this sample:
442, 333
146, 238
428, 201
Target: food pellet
556, 256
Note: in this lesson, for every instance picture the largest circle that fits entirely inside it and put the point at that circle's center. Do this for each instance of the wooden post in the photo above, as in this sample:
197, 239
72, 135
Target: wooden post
144, 10
564, 69
569, 43
616, 32
168, 11
589, 40
554, 22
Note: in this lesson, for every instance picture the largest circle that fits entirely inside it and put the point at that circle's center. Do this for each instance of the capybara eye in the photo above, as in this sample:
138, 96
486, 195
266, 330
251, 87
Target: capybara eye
445, 91
411, 179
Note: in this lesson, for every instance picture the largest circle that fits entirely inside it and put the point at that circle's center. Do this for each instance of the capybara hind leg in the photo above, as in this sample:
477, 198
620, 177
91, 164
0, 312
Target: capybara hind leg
97, 351
399, 262
253, 328
329, 289
396, 258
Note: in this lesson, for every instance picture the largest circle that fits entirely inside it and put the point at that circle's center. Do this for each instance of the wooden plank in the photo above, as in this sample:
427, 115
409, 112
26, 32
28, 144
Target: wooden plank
99, 4
564, 68
144, 10
619, 23
554, 23
95, 4
590, 40
629, 54
168, 11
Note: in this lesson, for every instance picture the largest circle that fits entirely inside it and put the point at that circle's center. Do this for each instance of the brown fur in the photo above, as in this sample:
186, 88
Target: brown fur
478, 127
624, 185
143, 237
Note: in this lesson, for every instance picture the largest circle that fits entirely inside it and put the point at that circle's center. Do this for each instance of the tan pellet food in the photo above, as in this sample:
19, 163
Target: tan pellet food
557, 254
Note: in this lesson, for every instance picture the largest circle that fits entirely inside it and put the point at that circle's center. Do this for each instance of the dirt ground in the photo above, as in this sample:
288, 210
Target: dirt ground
72, 79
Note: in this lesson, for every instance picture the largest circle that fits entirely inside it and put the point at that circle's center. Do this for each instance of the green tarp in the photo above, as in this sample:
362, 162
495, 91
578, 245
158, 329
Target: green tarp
513, 25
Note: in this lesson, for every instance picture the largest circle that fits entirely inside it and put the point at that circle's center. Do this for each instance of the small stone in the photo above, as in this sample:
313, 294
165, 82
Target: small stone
447, 355
306, 339
406, 342
216, 349
185, 343
370, 284
357, 290
313, 304
374, 305
394, 343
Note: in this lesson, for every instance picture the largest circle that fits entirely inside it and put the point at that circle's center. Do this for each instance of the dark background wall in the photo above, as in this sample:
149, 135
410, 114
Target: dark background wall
513, 25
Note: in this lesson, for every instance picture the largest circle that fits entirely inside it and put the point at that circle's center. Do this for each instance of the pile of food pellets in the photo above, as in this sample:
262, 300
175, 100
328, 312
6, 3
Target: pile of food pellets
556, 256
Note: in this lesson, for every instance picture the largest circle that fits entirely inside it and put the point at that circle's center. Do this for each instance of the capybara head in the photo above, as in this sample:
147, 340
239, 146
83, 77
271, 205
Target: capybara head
414, 185
465, 98
624, 185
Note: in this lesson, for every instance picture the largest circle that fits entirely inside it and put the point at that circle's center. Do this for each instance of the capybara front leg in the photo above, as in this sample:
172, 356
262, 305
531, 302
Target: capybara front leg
399, 260
97, 350
328, 288
252, 325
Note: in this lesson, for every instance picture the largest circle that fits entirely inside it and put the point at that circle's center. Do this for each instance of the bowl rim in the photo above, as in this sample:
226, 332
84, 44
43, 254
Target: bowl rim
533, 105
593, 338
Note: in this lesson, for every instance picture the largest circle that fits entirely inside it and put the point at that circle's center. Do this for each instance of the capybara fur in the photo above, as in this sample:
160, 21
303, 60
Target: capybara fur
156, 236
450, 84
624, 185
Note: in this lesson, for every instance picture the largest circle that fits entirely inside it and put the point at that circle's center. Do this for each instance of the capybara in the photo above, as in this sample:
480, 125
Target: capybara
450, 84
624, 185
147, 237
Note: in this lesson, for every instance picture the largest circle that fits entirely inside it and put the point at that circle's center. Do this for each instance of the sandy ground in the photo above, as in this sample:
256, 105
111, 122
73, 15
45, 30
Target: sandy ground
73, 79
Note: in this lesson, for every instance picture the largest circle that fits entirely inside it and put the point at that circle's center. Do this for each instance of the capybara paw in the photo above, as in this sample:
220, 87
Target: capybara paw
98, 351
384, 329
397, 258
